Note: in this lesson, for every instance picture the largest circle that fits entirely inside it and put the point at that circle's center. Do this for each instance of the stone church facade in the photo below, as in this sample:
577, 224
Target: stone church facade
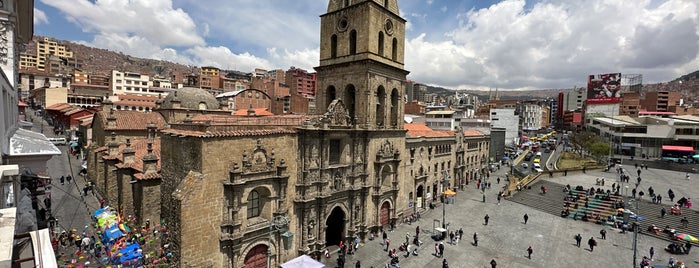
227, 182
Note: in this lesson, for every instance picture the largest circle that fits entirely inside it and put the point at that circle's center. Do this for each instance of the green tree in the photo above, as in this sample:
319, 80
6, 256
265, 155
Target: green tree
599, 149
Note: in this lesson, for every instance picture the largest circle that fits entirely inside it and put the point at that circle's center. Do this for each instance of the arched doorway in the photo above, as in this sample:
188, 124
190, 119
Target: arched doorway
256, 257
420, 197
385, 213
335, 227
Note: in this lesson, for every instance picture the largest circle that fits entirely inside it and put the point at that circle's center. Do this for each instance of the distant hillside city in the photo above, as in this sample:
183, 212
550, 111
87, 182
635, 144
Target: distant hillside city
54, 72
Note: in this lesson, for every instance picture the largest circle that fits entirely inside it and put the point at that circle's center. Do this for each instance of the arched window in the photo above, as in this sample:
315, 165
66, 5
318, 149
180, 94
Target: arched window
333, 46
350, 100
380, 107
345, 3
330, 95
394, 52
395, 105
202, 106
353, 42
385, 3
380, 44
253, 204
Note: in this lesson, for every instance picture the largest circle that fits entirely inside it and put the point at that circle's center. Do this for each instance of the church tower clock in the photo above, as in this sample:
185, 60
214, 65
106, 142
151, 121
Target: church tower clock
361, 62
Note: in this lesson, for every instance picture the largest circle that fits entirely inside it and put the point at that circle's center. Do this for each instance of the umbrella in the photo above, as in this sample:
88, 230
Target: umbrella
696, 156
686, 237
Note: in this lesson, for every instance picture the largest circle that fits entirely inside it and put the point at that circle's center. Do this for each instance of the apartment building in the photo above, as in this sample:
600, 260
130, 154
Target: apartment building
130, 83
660, 101
531, 115
630, 104
45, 47
32, 79
301, 82
415, 91
508, 120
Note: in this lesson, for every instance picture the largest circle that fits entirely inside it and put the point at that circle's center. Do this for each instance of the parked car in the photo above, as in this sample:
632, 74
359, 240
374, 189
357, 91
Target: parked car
548, 150
525, 165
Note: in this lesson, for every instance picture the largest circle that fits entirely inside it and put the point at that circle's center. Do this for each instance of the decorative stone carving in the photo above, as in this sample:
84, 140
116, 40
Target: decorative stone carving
259, 160
5, 27
337, 114
387, 150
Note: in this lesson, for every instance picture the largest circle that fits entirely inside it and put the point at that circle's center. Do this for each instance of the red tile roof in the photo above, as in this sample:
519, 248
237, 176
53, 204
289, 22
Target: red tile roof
132, 120
140, 147
135, 103
471, 133
421, 130
57, 106
258, 112
231, 133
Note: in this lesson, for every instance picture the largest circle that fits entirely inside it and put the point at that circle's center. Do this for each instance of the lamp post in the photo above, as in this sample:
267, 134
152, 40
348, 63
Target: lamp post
277, 224
445, 177
635, 231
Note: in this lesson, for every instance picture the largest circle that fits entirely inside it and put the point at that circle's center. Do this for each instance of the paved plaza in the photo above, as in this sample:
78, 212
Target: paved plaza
506, 237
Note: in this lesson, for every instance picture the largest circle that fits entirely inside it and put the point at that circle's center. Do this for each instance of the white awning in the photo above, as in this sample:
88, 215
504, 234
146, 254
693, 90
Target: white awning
43, 251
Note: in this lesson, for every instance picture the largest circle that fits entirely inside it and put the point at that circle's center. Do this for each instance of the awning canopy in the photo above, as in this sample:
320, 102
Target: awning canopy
303, 261
678, 148
43, 250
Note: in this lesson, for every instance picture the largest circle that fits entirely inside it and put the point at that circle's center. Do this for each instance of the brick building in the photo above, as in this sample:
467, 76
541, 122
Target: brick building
301, 82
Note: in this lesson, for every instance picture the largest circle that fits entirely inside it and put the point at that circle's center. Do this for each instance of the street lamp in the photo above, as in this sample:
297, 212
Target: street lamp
635, 230
277, 224
445, 177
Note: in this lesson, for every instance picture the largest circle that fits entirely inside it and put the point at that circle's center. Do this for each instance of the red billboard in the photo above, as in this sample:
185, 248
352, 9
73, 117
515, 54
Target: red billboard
604, 88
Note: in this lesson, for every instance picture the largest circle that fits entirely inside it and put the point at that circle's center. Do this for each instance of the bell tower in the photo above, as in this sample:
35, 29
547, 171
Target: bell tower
362, 45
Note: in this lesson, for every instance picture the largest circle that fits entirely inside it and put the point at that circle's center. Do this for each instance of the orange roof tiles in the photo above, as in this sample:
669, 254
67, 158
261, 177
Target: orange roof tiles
140, 147
231, 133
135, 103
58, 106
421, 130
137, 97
469, 133
132, 120
258, 112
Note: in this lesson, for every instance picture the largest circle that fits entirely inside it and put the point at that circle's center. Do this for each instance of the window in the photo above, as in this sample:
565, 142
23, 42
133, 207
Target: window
253, 204
380, 44
335, 151
353, 42
394, 51
333, 46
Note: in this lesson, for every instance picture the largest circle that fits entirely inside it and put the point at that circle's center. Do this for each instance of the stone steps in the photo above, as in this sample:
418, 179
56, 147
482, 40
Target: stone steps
552, 203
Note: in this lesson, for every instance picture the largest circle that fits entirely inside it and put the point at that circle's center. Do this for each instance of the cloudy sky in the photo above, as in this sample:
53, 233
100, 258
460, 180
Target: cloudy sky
465, 44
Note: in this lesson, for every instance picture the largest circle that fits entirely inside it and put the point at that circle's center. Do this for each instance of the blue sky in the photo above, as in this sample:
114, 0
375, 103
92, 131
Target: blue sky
473, 44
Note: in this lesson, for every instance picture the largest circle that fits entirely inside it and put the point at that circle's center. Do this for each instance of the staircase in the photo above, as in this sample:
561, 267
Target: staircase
552, 203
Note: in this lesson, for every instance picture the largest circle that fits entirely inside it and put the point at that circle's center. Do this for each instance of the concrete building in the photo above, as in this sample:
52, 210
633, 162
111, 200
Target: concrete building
441, 120
530, 116
32, 79
130, 83
415, 91
45, 48
630, 104
507, 119
22, 152
660, 101
301, 82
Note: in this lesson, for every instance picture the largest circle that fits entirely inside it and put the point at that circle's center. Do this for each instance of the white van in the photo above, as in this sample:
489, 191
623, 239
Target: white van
58, 141
538, 154
536, 166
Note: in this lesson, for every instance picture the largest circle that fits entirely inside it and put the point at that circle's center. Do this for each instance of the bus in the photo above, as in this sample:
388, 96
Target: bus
677, 154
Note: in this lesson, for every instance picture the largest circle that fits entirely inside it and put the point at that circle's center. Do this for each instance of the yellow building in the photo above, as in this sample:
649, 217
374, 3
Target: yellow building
45, 48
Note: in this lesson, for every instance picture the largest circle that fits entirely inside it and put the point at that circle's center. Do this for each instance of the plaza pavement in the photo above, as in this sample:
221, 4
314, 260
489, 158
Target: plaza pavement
506, 237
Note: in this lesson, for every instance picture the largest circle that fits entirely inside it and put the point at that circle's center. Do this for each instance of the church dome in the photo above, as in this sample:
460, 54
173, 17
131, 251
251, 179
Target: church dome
190, 98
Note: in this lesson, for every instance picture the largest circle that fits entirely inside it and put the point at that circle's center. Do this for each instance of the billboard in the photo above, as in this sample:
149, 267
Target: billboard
604, 88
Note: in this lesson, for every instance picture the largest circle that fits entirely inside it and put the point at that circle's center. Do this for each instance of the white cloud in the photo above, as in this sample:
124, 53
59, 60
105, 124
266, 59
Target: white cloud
557, 44
224, 58
154, 20
40, 17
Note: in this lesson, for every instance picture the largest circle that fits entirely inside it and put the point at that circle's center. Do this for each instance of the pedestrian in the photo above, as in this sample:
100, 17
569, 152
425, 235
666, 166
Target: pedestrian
684, 221
451, 237
660, 199
687, 175
662, 212
407, 238
486, 218
68, 178
565, 172
671, 195
388, 244
592, 243
603, 233
101, 202
484, 197
445, 264
63, 178
85, 189
461, 233
526, 218
583, 169
498, 180
436, 249
652, 252
475, 239
633, 193
578, 239
493, 263
529, 252
417, 231
499, 197
357, 265
441, 249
